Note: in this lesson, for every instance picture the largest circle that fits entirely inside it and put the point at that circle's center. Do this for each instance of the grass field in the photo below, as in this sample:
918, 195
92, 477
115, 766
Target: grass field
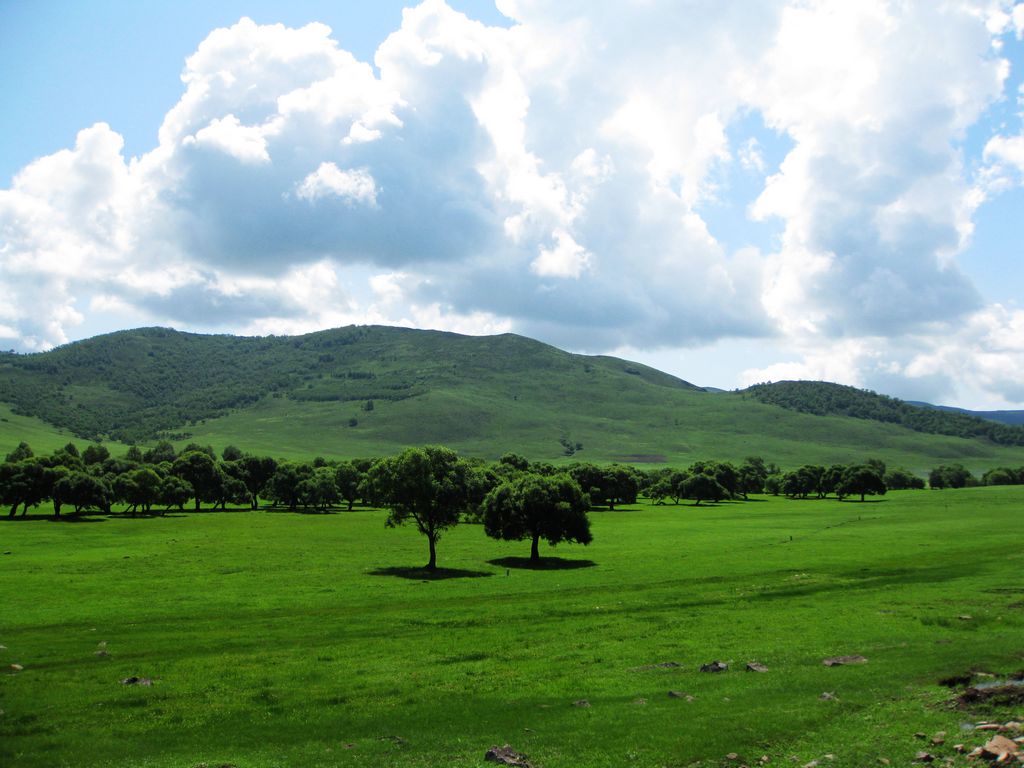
278, 639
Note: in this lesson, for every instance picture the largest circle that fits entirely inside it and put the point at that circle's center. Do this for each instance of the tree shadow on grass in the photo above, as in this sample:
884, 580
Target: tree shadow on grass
50, 518
544, 564
422, 574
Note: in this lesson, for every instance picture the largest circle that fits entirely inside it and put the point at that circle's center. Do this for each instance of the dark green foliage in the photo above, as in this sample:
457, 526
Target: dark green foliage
538, 507
823, 398
96, 454
902, 480
319, 490
285, 485
606, 486
22, 452
347, 479
1003, 476
702, 487
174, 492
141, 489
861, 479
199, 470
162, 451
515, 461
256, 472
26, 484
82, 491
803, 482
950, 476
752, 475
429, 486
231, 453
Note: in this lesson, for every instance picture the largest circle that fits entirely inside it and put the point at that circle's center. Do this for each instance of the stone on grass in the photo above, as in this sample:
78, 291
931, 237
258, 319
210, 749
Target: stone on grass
714, 666
924, 757
1000, 748
839, 661
133, 680
505, 755
756, 666
828, 696
581, 703
16, 667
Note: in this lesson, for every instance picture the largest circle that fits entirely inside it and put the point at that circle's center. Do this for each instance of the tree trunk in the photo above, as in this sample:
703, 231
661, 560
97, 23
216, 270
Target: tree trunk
862, 497
350, 503
197, 502
535, 549
56, 508
255, 502
14, 509
432, 565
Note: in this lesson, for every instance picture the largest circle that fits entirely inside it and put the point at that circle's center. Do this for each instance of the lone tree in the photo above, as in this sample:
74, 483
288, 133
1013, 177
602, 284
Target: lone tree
534, 507
429, 486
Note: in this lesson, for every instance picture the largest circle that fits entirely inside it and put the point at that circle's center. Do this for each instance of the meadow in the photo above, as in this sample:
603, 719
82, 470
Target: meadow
284, 639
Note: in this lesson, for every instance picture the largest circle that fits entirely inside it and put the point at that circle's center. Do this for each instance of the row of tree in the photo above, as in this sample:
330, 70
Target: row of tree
431, 487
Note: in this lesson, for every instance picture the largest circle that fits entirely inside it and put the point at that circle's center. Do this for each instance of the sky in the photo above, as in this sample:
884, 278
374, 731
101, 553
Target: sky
732, 192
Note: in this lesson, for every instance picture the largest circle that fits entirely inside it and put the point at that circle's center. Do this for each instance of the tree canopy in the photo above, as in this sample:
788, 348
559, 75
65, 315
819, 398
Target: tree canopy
429, 486
536, 507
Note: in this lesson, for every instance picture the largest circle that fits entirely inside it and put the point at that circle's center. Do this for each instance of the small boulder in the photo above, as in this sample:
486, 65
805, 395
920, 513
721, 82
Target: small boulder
839, 661
16, 668
828, 696
1000, 748
505, 755
756, 666
581, 703
714, 666
924, 757
133, 680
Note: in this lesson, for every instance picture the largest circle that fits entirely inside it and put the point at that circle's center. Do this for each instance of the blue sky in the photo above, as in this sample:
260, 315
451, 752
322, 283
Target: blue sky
731, 192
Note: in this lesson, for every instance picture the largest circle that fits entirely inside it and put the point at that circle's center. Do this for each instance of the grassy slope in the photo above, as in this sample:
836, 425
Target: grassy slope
282, 639
43, 437
481, 395
680, 426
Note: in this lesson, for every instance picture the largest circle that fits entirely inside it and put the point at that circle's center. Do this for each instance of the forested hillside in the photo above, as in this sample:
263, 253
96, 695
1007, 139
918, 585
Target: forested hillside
826, 399
135, 385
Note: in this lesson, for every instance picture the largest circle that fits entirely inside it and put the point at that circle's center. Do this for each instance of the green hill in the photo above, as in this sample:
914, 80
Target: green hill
826, 399
363, 391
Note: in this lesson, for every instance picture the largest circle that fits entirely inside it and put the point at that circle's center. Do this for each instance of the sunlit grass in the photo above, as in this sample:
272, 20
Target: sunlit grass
292, 639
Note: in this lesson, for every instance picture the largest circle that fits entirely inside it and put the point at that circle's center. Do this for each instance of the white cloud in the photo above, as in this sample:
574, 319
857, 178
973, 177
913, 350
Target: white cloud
549, 178
1006, 150
566, 258
243, 142
353, 186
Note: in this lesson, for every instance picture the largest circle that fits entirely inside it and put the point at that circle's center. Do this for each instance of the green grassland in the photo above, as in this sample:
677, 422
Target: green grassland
632, 427
278, 639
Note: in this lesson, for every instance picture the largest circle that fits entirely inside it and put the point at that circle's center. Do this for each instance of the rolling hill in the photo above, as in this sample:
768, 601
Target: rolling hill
369, 390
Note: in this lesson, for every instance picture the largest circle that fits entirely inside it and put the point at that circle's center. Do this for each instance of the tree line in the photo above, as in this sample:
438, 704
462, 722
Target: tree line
432, 488
824, 398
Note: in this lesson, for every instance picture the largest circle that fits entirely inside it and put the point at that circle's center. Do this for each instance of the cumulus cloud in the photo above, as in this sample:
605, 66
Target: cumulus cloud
355, 186
549, 178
